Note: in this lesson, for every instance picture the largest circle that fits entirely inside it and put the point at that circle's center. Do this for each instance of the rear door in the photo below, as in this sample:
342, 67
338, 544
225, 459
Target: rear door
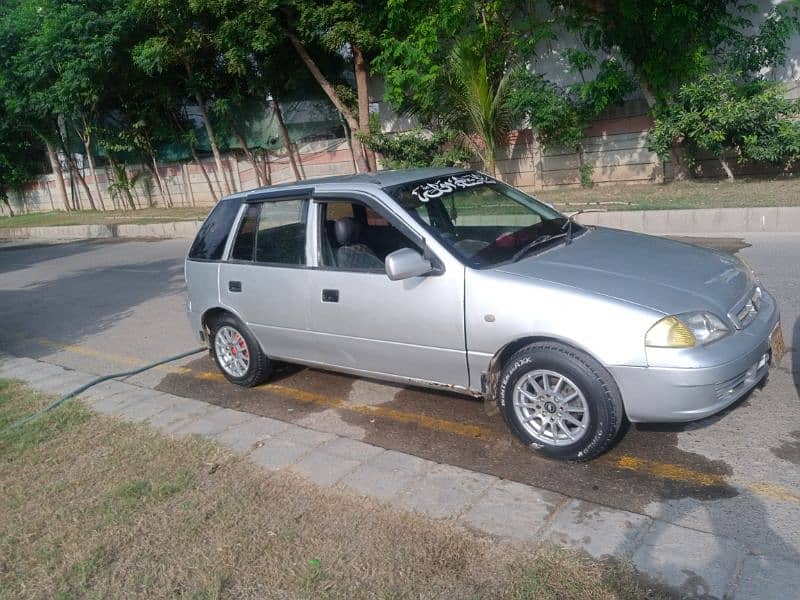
266, 278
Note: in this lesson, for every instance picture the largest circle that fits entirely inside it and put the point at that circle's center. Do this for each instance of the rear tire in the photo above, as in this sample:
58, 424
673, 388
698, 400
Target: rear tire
560, 402
237, 352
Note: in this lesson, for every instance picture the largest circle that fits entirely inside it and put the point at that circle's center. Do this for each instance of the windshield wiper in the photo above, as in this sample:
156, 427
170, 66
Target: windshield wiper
570, 222
542, 239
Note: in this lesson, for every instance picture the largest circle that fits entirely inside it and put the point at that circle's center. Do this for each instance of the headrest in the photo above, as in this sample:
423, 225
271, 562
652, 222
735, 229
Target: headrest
347, 230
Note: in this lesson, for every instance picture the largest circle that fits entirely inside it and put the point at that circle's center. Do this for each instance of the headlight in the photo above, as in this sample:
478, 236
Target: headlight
686, 330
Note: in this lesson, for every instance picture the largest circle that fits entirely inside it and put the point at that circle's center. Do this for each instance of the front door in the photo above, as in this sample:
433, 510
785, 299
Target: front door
362, 320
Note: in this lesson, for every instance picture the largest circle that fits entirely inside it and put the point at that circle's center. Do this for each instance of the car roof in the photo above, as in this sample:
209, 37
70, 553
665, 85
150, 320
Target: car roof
380, 179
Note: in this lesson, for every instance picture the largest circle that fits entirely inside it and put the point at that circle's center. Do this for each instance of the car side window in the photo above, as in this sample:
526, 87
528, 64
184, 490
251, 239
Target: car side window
354, 237
280, 237
244, 246
213, 235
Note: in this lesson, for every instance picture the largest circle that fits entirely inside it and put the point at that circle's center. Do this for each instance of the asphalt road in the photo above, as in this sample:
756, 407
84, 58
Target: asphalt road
106, 306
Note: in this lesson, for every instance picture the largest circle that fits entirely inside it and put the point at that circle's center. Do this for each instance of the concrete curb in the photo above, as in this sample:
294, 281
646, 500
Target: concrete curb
685, 221
168, 230
690, 561
782, 219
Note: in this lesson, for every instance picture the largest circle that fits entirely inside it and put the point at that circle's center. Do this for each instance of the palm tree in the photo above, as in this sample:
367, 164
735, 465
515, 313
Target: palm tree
479, 104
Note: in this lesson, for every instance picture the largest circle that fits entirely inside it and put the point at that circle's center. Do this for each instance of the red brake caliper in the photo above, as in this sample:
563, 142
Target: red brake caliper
242, 345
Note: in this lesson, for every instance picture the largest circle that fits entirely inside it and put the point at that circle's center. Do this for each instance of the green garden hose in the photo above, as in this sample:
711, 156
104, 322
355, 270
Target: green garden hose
101, 379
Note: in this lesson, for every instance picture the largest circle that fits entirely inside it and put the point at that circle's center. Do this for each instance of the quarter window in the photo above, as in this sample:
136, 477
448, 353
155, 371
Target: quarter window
210, 241
244, 246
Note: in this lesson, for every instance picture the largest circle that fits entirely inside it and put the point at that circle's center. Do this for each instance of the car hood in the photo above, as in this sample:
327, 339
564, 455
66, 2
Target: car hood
653, 272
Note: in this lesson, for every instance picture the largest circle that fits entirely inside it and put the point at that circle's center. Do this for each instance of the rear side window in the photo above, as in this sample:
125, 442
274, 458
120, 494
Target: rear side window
281, 234
210, 241
244, 245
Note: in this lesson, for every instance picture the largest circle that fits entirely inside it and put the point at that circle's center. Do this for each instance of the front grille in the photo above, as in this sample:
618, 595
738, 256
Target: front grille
748, 311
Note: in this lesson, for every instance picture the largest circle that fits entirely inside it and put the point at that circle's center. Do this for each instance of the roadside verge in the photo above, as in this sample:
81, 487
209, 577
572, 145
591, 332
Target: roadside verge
714, 221
682, 558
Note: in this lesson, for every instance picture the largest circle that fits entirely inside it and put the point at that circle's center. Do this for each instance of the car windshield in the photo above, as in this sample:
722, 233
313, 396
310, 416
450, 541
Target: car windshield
482, 221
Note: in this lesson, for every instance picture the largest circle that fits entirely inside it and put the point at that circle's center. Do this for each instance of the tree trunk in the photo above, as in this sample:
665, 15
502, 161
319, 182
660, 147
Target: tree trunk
361, 160
349, 138
123, 185
84, 185
248, 154
86, 138
212, 140
4, 196
286, 141
93, 173
162, 186
205, 173
677, 152
361, 70
187, 184
52, 156
267, 168
726, 168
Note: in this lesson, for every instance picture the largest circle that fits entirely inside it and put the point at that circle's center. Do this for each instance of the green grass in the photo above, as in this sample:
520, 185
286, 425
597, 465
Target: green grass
95, 508
111, 217
692, 194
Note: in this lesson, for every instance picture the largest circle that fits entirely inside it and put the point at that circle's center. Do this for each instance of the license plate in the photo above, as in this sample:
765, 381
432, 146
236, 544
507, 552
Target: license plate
776, 344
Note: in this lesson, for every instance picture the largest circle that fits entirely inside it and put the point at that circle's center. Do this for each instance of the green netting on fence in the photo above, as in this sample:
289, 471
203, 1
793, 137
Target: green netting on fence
256, 123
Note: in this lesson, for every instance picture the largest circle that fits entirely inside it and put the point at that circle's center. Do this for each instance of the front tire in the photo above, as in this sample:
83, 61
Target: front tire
560, 402
237, 353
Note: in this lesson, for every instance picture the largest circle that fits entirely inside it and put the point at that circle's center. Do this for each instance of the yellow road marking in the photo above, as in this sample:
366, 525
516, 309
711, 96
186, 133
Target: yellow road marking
667, 471
659, 470
443, 425
774, 492
383, 412
113, 357
682, 474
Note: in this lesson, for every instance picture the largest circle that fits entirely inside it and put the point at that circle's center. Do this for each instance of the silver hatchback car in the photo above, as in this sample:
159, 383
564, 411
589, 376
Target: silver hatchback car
448, 278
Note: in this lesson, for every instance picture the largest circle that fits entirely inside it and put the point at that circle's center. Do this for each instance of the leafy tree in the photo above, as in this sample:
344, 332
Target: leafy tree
179, 47
19, 156
558, 115
420, 38
479, 103
81, 39
340, 28
27, 72
727, 108
718, 114
453, 63
416, 149
670, 43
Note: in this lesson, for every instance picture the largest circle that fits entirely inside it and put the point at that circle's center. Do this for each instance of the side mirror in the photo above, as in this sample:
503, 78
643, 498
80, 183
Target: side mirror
406, 263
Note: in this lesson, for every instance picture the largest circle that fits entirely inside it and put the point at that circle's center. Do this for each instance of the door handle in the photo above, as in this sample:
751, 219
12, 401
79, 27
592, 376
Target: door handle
330, 295
235, 286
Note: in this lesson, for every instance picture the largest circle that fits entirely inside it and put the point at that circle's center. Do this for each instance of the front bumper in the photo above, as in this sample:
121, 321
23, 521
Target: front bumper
680, 393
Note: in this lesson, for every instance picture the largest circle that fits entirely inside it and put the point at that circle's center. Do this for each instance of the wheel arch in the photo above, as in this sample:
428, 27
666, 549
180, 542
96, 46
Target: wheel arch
501, 357
213, 313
